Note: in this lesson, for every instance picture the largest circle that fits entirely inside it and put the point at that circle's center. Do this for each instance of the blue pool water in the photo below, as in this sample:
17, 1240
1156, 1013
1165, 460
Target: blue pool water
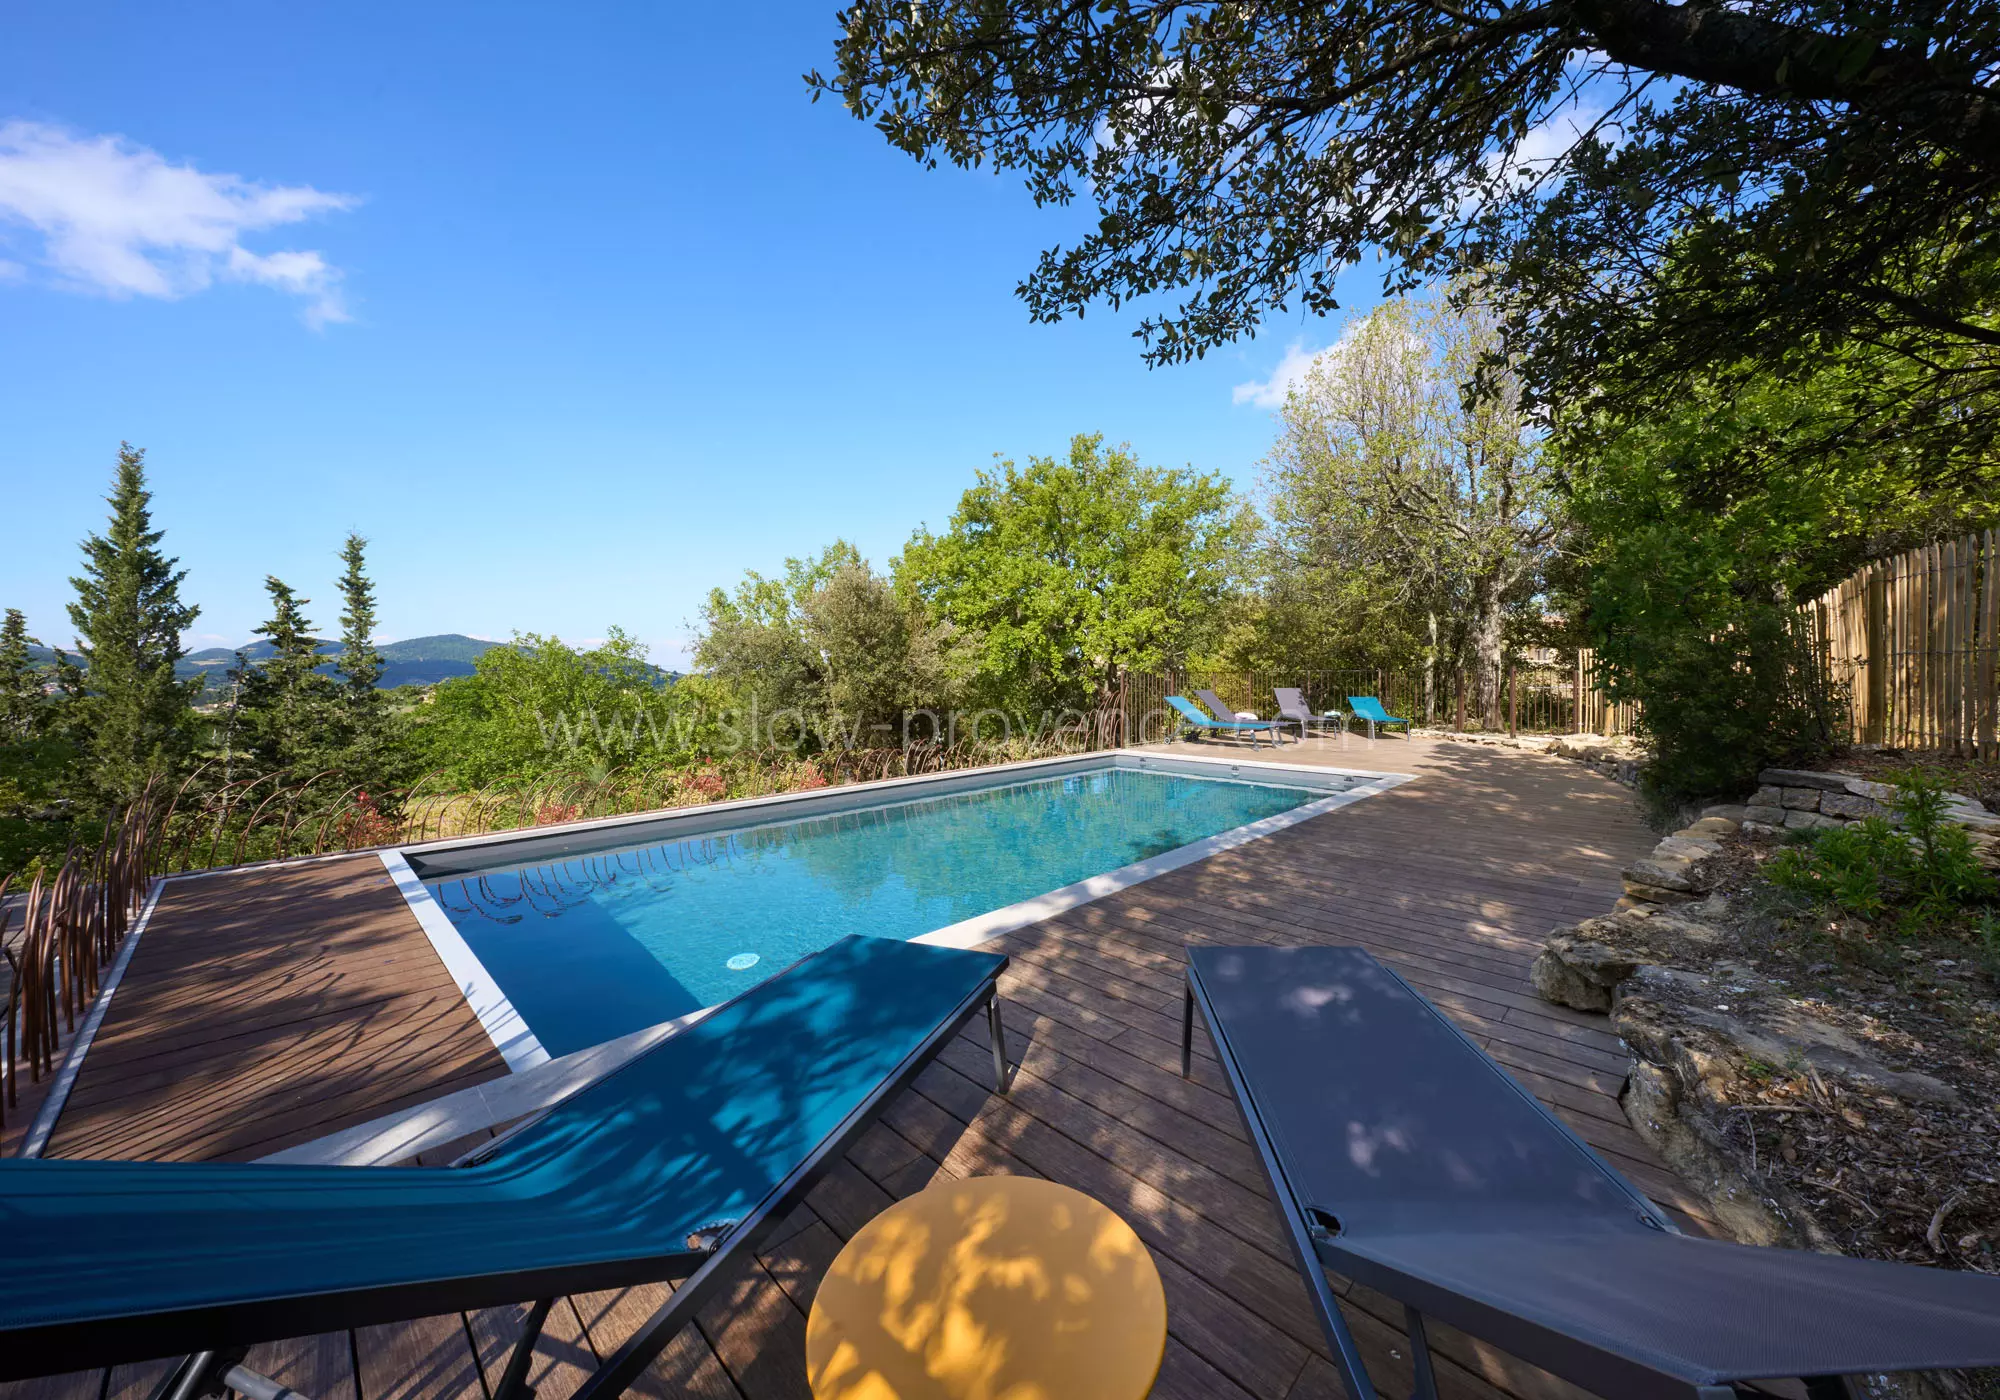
590, 946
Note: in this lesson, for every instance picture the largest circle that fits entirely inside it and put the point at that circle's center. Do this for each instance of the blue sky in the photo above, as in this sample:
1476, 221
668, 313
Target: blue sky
574, 311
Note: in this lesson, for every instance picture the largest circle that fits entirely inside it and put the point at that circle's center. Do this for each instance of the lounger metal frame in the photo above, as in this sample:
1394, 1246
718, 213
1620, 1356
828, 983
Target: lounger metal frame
210, 1372
1314, 1249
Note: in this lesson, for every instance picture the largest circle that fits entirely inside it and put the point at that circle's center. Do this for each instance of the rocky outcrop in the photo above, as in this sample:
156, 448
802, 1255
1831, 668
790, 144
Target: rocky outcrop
1584, 965
1672, 873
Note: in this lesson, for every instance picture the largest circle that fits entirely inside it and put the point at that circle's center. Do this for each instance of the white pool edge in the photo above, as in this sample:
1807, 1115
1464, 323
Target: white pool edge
522, 1049
506, 1027
984, 928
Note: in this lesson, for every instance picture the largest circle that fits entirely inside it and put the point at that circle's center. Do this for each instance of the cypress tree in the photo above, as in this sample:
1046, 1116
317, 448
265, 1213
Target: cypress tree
366, 759
285, 701
360, 665
22, 702
129, 619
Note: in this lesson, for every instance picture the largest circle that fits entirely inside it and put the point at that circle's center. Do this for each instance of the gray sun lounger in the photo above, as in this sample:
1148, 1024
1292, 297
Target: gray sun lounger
670, 1167
1402, 1157
1292, 709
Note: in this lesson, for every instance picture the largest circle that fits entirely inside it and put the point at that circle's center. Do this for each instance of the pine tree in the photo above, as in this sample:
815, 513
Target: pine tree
23, 705
284, 701
129, 619
366, 759
360, 665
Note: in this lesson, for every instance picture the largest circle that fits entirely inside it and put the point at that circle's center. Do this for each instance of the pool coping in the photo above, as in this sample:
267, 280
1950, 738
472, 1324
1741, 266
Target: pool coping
523, 1050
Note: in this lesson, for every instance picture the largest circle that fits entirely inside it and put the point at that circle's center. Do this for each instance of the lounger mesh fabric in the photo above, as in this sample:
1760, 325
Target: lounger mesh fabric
696, 1132
1446, 1185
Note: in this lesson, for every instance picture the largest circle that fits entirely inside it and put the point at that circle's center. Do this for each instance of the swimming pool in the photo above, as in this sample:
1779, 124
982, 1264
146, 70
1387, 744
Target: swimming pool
597, 933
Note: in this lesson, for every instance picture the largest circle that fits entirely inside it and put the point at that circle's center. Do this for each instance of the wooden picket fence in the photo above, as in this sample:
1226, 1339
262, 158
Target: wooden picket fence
1915, 640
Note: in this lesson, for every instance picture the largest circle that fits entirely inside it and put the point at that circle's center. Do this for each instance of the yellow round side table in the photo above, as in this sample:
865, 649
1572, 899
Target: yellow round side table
995, 1288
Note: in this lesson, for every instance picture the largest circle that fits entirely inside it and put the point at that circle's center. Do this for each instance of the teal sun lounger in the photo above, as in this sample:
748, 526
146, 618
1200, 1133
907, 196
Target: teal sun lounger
1369, 708
1196, 720
664, 1169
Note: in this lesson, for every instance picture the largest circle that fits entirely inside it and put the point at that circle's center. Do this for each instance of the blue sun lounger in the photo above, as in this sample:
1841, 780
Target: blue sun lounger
1195, 719
1402, 1157
1369, 708
667, 1168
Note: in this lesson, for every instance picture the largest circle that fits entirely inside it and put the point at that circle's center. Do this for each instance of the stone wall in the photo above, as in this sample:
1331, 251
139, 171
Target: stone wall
1793, 799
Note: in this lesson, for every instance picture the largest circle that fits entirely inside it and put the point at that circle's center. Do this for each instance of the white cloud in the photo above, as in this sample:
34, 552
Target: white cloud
1270, 393
119, 219
1547, 142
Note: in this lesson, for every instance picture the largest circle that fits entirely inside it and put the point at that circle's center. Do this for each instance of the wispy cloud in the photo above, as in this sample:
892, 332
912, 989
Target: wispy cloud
1270, 393
121, 220
1546, 143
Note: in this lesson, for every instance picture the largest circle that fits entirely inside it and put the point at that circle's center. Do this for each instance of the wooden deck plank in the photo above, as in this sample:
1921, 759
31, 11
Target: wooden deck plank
1452, 880
428, 1358
321, 1367
270, 1006
687, 1367
563, 1357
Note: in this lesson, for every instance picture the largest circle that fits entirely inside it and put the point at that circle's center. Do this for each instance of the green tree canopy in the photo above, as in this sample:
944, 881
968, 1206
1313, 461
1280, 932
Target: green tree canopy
1393, 487
541, 707
1701, 529
1070, 571
1826, 172
833, 654
129, 618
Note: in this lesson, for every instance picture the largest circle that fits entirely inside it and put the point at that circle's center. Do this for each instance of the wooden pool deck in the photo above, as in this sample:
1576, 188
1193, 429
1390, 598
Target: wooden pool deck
287, 1004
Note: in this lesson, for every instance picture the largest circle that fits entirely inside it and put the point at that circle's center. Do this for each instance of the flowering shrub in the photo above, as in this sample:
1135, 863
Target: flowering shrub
704, 784
366, 824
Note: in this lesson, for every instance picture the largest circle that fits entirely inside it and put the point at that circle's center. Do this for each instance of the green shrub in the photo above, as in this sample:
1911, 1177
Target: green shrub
1919, 869
1846, 866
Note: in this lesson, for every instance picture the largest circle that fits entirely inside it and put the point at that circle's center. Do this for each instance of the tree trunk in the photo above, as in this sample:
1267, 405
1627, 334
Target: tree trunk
1488, 644
1431, 660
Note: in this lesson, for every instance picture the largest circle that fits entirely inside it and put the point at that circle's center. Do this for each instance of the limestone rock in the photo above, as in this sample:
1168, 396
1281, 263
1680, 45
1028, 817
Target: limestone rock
1861, 787
1849, 807
1578, 973
1800, 799
1731, 812
1653, 894
1808, 821
1772, 816
1651, 1101
1706, 1029
1681, 846
1665, 872
1800, 778
1767, 796
1583, 965
1711, 826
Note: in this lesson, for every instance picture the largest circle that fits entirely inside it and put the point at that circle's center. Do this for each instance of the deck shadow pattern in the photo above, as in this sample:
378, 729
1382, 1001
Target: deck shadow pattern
1452, 880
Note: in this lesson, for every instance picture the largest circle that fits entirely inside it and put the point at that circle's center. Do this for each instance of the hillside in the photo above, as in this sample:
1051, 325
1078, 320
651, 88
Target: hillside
415, 661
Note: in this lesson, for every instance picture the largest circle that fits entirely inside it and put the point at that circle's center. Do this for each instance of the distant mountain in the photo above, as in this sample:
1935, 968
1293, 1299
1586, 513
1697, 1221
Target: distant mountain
415, 661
